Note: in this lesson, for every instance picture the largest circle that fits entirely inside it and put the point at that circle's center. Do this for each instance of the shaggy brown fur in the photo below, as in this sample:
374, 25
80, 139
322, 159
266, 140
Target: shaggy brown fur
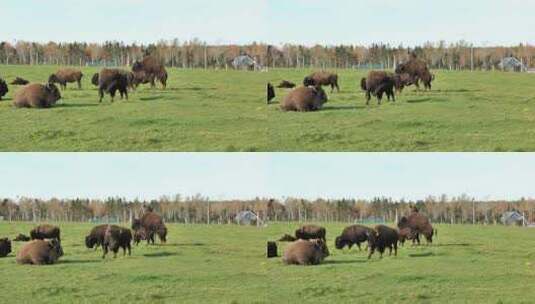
45, 231
405, 234
140, 77
153, 224
117, 237
36, 96
154, 70
418, 224
270, 93
21, 238
95, 238
140, 235
306, 252
3, 88
40, 252
285, 84
304, 99
287, 238
5, 247
353, 235
112, 80
64, 76
418, 70
383, 237
322, 79
377, 84
401, 81
20, 81
308, 232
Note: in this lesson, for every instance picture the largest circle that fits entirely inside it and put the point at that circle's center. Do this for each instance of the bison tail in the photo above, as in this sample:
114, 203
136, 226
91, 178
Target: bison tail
363, 84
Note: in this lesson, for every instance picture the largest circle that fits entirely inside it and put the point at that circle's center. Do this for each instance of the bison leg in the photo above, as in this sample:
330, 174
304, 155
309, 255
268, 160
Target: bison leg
368, 97
372, 251
358, 245
100, 94
79, 81
129, 249
395, 249
105, 251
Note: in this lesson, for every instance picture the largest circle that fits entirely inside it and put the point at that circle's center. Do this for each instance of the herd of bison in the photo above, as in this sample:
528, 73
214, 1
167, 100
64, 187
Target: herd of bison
307, 247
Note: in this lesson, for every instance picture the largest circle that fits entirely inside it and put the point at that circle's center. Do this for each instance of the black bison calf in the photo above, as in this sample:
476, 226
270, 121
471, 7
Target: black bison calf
94, 79
383, 237
306, 252
117, 237
285, 84
353, 235
45, 231
21, 238
270, 93
377, 84
304, 99
95, 238
309, 232
64, 76
5, 247
40, 252
37, 96
20, 81
112, 80
3, 88
322, 79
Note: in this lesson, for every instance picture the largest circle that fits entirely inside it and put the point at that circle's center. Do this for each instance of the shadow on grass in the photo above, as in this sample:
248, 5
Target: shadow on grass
454, 245
344, 262
192, 89
160, 254
420, 100
338, 108
77, 105
152, 98
194, 244
421, 255
78, 261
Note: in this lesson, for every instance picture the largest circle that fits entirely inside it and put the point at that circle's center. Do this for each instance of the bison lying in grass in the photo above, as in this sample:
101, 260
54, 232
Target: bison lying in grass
270, 93
45, 231
377, 84
40, 252
20, 81
3, 88
21, 238
383, 237
64, 76
306, 252
117, 237
304, 99
5, 247
318, 79
308, 232
285, 84
353, 235
36, 96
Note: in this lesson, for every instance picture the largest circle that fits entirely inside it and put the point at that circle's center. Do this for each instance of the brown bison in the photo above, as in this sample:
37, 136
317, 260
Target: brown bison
418, 224
3, 88
285, 84
270, 93
406, 234
322, 78
403, 80
353, 235
418, 70
64, 76
21, 238
140, 235
36, 96
287, 238
304, 99
40, 252
95, 238
306, 252
45, 231
20, 81
308, 232
153, 69
377, 84
140, 77
112, 80
117, 237
5, 247
153, 224
383, 237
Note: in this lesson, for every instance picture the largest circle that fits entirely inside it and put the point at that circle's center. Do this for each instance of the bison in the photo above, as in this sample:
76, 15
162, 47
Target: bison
383, 237
287, 238
418, 70
20, 81
352, 235
153, 69
21, 238
418, 224
306, 252
95, 238
270, 93
40, 252
64, 76
94, 79
153, 224
5, 247
117, 237
112, 80
45, 231
377, 84
308, 232
140, 235
405, 234
401, 81
36, 96
3, 88
322, 79
304, 99
285, 84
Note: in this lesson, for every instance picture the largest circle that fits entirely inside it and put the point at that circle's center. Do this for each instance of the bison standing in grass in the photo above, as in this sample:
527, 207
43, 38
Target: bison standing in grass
383, 237
45, 231
96, 237
322, 78
112, 80
304, 99
40, 252
64, 76
152, 224
377, 84
309, 232
36, 96
419, 224
353, 235
5, 247
306, 252
117, 237
152, 69
417, 70
3, 88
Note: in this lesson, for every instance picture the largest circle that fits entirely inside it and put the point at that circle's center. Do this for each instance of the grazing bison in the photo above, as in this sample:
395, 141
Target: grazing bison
306, 252
270, 93
309, 232
285, 84
383, 237
418, 224
95, 238
40, 252
5, 247
117, 237
3, 88
287, 238
36, 96
112, 80
21, 238
353, 235
153, 224
64, 76
318, 79
45, 231
20, 81
153, 69
377, 84
304, 99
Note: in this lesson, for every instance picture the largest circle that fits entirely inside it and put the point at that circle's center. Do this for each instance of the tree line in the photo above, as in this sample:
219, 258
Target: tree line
198, 54
202, 210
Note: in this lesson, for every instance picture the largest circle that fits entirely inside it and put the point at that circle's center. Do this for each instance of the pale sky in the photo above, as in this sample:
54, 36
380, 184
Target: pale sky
483, 22
244, 176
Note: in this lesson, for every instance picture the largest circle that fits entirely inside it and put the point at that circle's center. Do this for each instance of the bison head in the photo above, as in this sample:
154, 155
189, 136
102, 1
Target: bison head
94, 79
3, 88
90, 241
339, 243
309, 81
322, 247
136, 224
53, 79
137, 66
55, 246
53, 94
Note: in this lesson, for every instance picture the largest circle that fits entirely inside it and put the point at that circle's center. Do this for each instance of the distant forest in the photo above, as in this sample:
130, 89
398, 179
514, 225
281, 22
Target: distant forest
198, 54
202, 210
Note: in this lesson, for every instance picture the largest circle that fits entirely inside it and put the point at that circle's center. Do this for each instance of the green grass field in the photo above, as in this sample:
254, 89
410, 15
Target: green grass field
226, 111
227, 264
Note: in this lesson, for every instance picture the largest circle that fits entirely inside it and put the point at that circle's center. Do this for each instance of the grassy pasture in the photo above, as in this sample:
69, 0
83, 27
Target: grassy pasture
226, 264
226, 111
